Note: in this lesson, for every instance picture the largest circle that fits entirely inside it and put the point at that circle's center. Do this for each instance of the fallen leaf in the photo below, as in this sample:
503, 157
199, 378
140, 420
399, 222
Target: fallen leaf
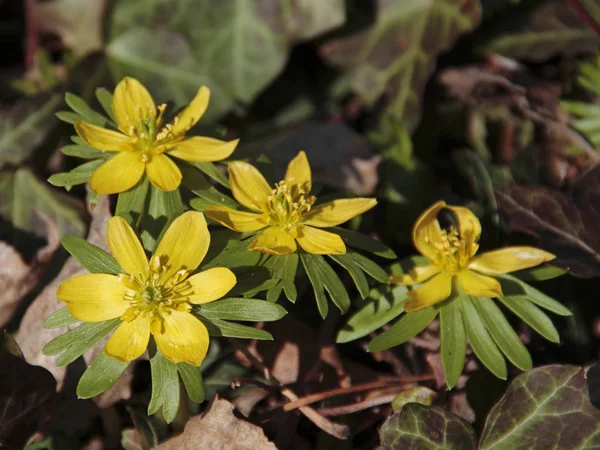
27, 394
566, 224
396, 56
219, 429
31, 343
77, 22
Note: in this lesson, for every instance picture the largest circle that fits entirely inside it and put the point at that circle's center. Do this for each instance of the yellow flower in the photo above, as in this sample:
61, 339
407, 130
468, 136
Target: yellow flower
452, 261
286, 212
143, 143
152, 297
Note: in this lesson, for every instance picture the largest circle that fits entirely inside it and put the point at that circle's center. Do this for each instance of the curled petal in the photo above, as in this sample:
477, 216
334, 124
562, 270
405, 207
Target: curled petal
118, 174
469, 226
126, 248
93, 297
163, 173
426, 231
210, 285
298, 171
337, 211
436, 290
478, 285
130, 340
237, 220
102, 138
182, 338
509, 259
199, 148
132, 106
192, 113
319, 242
416, 275
248, 186
273, 241
184, 244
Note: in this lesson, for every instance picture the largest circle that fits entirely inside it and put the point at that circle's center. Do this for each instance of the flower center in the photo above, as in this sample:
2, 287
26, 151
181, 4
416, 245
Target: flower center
156, 295
453, 253
287, 204
152, 136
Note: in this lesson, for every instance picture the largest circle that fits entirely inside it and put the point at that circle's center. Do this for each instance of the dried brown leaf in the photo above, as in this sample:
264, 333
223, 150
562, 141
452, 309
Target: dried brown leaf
219, 429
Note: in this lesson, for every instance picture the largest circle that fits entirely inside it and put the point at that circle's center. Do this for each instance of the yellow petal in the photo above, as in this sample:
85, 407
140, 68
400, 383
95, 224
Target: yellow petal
237, 220
273, 241
433, 291
163, 173
210, 285
479, 285
426, 231
132, 106
126, 248
509, 259
199, 148
298, 171
93, 297
192, 113
248, 186
416, 275
118, 174
130, 340
184, 244
319, 242
103, 139
182, 338
338, 211
469, 226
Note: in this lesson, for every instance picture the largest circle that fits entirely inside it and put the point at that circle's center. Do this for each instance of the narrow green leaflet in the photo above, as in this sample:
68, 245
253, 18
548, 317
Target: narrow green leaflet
453, 342
382, 306
369, 267
81, 107
406, 328
242, 309
283, 268
532, 316
361, 242
104, 97
358, 276
503, 334
165, 387
540, 273
323, 278
223, 328
162, 207
79, 175
131, 203
60, 318
207, 193
84, 152
212, 171
228, 250
192, 380
77, 341
479, 338
93, 258
537, 297
100, 375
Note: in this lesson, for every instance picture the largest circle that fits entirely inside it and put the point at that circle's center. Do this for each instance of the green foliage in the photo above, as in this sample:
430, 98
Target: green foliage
100, 375
518, 420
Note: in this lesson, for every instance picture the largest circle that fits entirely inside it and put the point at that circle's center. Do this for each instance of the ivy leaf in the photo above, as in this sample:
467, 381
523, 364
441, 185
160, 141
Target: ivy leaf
234, 46
565, 224
396, 56
426, 427
540, 409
